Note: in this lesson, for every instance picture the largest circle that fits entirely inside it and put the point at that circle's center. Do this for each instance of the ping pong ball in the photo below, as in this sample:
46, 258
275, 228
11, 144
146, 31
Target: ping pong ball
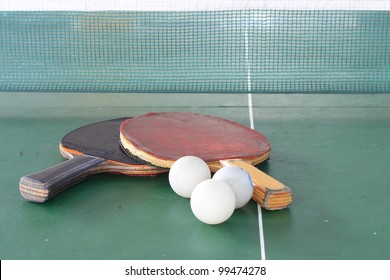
240, 182
186, 173
213, 201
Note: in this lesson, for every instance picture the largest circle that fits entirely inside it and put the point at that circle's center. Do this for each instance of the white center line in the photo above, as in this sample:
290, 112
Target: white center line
252, 124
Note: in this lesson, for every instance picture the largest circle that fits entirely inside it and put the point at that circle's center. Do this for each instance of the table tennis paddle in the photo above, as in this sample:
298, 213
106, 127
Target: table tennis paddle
91, 149
162, 138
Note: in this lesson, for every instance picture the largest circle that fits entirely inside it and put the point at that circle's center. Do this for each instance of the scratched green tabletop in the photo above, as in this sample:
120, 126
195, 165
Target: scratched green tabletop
332, 150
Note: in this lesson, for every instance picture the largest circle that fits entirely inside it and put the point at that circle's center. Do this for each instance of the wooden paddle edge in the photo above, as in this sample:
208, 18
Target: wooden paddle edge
115, 167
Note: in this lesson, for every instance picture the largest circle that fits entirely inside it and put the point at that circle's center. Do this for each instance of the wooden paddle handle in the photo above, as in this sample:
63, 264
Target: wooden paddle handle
40, 186
268, 192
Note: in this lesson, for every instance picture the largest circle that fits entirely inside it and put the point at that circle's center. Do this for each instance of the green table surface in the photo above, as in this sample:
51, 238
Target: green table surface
332, 150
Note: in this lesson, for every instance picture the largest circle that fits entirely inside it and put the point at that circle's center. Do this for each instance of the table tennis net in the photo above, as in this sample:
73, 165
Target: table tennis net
224, 51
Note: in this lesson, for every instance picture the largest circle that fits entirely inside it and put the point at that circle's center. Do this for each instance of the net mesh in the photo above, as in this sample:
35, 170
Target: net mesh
228, 51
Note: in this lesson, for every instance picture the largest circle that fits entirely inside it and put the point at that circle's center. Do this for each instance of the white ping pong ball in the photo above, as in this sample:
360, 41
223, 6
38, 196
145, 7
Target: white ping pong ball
213, 201
240, 182
186, 173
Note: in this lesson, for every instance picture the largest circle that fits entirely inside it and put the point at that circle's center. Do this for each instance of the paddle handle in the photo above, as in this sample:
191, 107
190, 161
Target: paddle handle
268, 192
42, 185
